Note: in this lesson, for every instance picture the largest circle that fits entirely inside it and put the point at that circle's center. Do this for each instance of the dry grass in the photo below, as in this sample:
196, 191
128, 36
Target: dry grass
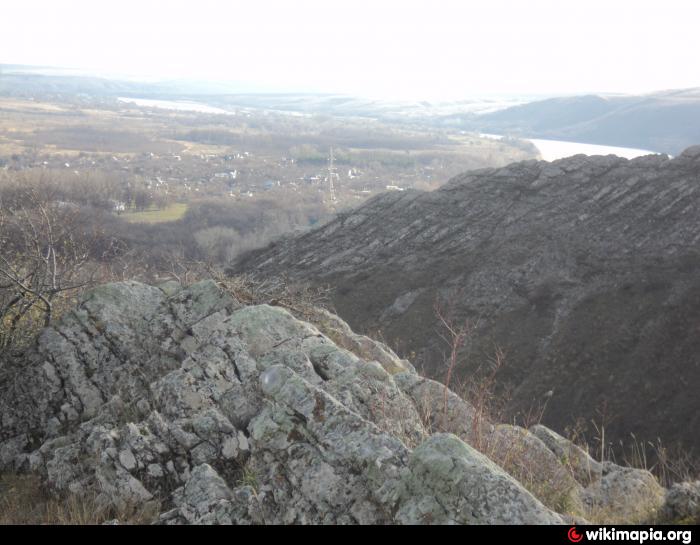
668, 465
23, 500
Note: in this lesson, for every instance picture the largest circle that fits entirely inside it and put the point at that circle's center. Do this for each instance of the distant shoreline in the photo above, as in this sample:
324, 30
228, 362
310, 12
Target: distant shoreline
551, 150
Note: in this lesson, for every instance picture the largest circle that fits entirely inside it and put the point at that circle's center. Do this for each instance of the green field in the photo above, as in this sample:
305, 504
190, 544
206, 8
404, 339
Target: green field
173, 212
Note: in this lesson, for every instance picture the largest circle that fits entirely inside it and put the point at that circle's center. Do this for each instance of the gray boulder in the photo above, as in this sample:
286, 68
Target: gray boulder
585, 469
451, 483
682, 503
610, 493
624, 494
204, 411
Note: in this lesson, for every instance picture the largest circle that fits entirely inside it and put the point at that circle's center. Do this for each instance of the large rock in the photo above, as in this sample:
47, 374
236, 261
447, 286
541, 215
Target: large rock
624, 494
682, 503
610, 493
524, 456
517, 451
444, 411
585, 469
451, 483
341, 334
183, 401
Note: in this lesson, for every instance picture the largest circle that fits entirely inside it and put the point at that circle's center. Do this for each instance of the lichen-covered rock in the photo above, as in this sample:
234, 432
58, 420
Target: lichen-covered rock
442, 410
682, 503
585, 469
524, 456
182, 402
369, 349
624, 494
205, 498
451, 483
519, 452
610, 493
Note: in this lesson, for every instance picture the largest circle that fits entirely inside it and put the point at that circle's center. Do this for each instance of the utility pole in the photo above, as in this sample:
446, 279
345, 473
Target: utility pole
332, 177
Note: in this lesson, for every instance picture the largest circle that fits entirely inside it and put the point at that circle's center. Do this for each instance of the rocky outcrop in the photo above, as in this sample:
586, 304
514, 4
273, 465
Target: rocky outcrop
682, 503
586, 470
623, 493
583, 271
205, 411
451, 483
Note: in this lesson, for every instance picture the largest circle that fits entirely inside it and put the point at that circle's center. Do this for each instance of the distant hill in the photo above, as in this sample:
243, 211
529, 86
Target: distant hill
665, 122
584, 271
34, 81
42, 82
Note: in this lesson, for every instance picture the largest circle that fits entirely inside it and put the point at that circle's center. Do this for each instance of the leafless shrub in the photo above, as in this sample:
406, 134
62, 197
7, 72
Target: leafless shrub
46, 258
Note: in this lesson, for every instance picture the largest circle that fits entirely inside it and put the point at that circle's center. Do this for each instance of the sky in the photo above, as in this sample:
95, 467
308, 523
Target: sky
417, 49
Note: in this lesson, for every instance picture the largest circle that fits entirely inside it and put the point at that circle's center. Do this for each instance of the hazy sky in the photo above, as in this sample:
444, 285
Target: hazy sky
385, 48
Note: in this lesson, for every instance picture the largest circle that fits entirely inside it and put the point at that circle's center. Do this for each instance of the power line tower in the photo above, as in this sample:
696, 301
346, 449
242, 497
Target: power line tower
333, 177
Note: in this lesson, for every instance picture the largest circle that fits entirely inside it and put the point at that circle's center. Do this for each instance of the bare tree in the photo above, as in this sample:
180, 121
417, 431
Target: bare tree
45, 257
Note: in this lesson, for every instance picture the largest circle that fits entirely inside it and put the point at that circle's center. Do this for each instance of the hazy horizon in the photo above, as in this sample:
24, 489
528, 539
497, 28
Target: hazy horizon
402, 50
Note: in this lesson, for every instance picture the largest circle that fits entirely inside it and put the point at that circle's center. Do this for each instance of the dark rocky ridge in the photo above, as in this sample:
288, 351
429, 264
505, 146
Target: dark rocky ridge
584, 270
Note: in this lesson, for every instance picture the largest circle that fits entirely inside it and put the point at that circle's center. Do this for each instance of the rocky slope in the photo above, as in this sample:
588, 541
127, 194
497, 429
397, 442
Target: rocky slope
211, 411
583, 271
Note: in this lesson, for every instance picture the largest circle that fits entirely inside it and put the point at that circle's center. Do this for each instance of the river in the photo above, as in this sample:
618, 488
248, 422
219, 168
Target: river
551, 150
183, 106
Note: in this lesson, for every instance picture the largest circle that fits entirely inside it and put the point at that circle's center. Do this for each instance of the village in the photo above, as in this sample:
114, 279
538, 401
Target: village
148, 164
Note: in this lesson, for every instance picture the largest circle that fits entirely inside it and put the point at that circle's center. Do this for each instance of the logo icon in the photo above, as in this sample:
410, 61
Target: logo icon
574, 536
